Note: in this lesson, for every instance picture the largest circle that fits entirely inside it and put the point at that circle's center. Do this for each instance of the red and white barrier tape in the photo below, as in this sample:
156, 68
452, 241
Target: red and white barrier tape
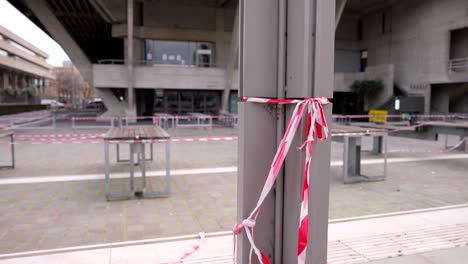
316, 128
83, 135
192, 250
452, 148
57, 141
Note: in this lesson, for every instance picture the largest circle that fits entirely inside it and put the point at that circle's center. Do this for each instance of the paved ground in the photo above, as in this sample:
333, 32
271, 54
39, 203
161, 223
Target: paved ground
422, 237
71, 213
452, 256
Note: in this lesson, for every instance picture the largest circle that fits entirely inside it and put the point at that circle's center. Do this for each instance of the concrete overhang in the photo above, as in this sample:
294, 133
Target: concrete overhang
24, 55
120, 31
28, 68
160, 76
12, 36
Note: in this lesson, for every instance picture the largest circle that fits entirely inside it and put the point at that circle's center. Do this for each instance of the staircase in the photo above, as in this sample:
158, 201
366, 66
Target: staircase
114, 106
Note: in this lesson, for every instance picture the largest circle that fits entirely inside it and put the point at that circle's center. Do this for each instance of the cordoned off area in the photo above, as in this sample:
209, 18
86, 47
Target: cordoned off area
55, 197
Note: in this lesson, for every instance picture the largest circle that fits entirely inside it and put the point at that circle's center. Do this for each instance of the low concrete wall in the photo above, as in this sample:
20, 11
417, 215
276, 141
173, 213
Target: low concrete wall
343, 82
160, 76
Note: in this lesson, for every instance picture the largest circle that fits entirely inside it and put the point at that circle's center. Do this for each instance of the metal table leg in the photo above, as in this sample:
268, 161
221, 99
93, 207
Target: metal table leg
12, 141
12, 152
141, 160
167, 190
132, 168
115, 196
377, 145
151, 158
106, 170
168, 168
352, 161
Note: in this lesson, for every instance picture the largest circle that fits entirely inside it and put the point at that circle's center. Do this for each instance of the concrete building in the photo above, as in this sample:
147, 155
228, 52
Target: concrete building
421, 46
176, 59
23, 69
182, 55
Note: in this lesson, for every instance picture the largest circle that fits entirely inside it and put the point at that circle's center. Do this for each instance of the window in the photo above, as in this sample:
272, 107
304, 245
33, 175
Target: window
179, 52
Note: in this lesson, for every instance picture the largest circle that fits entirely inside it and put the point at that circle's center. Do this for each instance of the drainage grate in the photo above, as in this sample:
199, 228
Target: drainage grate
363, 249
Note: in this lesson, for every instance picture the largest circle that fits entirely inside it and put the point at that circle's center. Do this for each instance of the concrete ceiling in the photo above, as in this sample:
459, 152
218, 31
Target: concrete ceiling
87, 27
361, 7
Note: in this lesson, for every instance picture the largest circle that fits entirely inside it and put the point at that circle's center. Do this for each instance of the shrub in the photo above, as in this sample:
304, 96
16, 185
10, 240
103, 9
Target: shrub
10, 91
30, 91
367, 88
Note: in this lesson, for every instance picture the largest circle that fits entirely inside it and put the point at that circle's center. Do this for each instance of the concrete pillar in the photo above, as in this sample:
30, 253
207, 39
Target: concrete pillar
15, 80
231, 64
220, 45
6, 80
129, 60
340, 6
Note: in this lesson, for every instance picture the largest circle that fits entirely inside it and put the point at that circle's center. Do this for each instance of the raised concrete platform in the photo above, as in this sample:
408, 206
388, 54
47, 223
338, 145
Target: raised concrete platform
418, 237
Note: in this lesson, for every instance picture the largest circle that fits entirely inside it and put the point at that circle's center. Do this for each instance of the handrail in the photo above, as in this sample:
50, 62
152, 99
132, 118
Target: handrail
148, 63
458, 65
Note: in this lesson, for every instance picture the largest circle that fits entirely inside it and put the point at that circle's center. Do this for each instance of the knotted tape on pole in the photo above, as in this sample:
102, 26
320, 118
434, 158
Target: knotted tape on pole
316, 128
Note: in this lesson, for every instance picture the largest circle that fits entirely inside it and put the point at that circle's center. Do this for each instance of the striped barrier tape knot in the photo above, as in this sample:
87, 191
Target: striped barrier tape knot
316, 128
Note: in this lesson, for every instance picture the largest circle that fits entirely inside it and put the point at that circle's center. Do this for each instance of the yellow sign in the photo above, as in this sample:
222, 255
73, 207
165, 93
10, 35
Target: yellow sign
378, 116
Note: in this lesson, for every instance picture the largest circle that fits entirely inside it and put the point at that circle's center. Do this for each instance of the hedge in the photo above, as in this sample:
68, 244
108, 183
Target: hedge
15, 109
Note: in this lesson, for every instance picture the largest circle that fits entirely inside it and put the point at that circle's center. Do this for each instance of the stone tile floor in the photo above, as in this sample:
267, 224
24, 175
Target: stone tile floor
72, 213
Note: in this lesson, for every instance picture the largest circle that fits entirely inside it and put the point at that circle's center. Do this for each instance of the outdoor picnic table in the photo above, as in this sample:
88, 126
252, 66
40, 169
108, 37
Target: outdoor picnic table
351, 136
136, 137
164, 120
10, 134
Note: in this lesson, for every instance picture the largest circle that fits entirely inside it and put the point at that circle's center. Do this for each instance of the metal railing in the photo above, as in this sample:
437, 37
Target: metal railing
458, 65
150, 63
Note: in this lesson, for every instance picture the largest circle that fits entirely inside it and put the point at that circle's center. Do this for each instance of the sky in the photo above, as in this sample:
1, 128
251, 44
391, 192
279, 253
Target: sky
16, 22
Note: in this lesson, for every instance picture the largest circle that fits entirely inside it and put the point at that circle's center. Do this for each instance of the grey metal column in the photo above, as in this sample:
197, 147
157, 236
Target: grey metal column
257, 128
309, 73
130, 88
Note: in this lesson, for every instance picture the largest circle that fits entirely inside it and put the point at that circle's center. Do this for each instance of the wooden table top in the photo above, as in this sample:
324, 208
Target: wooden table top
388, 127
335, 128
136, 132
4, 133
445, 124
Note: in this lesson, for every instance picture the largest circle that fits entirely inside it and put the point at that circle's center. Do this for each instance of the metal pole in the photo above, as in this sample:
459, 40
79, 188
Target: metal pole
106, 170
168, 166
12, 140
279, 188
257, 128
130, 90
